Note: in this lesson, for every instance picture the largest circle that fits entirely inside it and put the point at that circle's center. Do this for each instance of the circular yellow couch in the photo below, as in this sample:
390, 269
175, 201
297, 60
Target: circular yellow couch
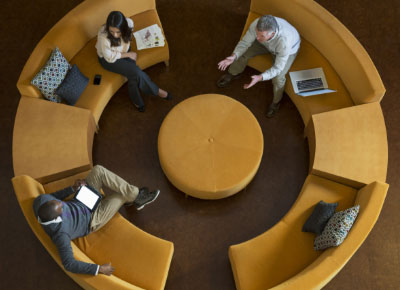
344, 170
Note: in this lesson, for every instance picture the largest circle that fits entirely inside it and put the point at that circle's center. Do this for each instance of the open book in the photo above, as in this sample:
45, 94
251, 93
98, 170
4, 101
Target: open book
149, 37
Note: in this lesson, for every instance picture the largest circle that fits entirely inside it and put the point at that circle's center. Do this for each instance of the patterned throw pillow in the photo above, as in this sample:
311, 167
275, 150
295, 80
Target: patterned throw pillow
321, 214
72, 86
336, 229
51, 75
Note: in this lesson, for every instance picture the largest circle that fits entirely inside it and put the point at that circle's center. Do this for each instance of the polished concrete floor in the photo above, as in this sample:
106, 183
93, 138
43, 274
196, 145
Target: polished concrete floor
201, 33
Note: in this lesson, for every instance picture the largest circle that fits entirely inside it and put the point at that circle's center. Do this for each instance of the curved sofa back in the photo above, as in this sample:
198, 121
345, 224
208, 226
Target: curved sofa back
334, 41
73, 32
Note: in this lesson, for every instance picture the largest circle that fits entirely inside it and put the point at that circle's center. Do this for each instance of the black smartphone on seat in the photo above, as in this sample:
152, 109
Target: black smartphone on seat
97, 80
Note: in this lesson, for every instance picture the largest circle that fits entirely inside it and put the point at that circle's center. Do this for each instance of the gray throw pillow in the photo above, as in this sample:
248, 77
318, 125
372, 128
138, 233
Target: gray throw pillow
320, 216
72, 86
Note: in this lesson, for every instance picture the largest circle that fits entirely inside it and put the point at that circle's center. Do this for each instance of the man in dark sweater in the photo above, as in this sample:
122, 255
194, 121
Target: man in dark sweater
65, 221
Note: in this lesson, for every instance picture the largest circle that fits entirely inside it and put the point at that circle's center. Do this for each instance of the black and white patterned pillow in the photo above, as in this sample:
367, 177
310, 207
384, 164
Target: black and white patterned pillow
51, 75
72, 86
336, 229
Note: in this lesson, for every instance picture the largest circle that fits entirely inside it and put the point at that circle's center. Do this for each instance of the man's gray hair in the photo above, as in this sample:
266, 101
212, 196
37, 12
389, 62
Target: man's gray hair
267, 23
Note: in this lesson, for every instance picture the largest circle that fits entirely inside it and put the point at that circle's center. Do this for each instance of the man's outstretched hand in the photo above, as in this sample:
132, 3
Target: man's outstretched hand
223, 64
106, 269
254, 79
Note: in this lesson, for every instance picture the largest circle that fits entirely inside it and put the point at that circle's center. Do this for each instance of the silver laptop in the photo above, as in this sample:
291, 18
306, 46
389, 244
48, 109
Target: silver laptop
309, 82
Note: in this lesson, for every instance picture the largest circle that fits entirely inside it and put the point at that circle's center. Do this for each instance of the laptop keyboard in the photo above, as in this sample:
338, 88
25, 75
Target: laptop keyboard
309, 84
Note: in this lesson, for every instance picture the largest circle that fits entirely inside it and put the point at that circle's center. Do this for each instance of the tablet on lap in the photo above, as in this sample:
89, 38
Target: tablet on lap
89, 197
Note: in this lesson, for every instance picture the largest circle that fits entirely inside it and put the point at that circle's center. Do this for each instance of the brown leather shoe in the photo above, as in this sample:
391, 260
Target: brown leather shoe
226, 79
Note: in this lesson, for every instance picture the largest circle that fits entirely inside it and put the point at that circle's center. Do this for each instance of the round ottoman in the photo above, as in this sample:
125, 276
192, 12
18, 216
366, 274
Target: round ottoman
210, 146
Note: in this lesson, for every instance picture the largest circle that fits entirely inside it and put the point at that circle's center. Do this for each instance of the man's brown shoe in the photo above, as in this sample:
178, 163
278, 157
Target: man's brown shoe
226, 79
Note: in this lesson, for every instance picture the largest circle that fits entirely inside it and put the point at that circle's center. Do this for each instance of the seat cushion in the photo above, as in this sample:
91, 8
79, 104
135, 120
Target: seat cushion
140, 258
96, 97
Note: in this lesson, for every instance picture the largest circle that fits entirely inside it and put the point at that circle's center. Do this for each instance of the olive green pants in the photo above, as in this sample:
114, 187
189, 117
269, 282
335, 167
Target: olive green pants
122, 192
278, 82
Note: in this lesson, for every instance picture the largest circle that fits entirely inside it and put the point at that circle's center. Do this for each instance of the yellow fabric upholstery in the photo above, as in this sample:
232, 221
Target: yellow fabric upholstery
350, 145
82, 24
141, 260
51, 141
326, 43
210, 146
283, 257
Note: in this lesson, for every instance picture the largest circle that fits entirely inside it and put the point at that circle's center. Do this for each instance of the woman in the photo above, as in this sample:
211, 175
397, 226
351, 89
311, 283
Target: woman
113, 43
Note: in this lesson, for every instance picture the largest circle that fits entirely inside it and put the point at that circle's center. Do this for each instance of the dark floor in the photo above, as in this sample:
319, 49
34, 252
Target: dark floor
200, 33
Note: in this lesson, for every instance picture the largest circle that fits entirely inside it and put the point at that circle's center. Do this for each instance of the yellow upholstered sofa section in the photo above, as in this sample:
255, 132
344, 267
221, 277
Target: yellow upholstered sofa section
283, 257
349, 145
141, 260
326, 43
51, 141
75, 35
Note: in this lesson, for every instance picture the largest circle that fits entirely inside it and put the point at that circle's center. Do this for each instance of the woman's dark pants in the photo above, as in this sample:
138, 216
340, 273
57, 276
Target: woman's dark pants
138, 80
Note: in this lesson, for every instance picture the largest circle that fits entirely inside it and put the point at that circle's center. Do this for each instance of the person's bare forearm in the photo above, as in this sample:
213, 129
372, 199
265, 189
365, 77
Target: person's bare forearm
124, 54
130, 54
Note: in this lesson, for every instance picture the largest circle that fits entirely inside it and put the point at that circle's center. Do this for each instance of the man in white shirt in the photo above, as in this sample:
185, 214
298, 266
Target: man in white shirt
274, 35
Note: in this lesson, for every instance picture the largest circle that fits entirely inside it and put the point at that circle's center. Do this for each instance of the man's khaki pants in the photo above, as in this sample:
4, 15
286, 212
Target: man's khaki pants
278, 82
122, 192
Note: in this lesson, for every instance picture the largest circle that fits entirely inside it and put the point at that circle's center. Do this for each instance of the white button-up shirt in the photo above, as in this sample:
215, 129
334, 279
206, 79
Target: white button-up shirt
285, 42
104, 48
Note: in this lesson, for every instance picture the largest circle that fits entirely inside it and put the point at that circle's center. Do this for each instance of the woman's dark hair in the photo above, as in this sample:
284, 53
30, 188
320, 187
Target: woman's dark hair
117, 19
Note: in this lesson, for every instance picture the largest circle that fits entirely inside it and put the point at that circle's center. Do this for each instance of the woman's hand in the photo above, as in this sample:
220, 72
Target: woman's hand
132, 55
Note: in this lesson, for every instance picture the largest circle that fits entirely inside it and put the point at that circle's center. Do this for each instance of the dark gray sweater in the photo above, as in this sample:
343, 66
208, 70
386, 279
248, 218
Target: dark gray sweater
75, 223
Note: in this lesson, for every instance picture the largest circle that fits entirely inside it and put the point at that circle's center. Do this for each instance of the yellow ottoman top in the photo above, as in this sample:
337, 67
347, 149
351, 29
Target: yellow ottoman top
210, 146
